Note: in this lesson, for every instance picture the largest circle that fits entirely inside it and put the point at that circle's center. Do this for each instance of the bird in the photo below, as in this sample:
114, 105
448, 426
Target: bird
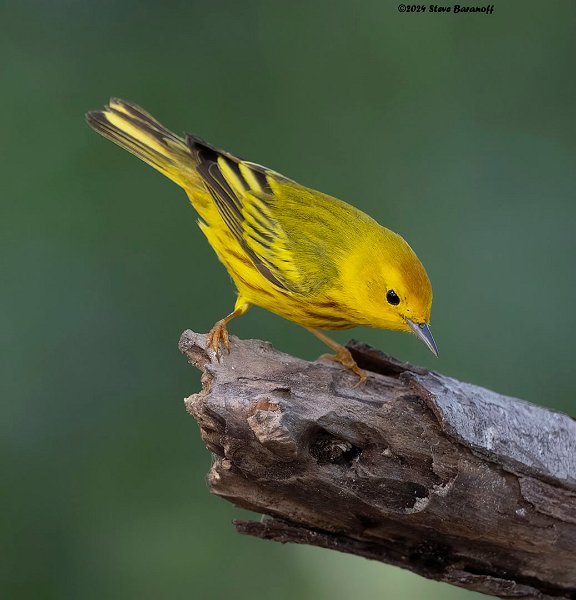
297, 252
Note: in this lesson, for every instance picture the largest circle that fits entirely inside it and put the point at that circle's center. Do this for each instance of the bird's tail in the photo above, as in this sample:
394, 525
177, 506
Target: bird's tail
141, 134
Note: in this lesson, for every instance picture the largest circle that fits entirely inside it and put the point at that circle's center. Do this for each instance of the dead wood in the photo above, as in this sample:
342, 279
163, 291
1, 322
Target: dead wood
416, 469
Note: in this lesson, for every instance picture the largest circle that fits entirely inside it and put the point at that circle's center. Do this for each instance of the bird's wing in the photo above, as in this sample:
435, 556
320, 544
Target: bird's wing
277, 226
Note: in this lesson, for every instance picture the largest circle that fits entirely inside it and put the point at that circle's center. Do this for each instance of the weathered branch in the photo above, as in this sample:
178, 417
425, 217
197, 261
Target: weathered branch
452, 481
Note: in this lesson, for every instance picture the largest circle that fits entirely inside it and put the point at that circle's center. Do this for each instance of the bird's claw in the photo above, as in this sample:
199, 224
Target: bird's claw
218, 334
344, 357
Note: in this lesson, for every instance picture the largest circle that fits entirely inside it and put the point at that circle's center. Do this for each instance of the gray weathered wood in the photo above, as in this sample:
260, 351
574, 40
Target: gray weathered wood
416, 469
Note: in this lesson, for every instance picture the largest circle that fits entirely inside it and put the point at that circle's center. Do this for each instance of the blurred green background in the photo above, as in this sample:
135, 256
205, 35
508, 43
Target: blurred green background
457, 131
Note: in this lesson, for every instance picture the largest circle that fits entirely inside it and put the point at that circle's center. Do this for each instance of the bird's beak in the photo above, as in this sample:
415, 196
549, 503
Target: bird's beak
422, 332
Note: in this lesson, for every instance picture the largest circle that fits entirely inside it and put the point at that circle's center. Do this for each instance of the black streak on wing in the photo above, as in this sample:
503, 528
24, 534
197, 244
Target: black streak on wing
260, 175
228, 204
234, 166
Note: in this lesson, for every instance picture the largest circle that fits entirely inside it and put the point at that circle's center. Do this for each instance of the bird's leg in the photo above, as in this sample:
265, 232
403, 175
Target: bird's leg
219, 334
342, 355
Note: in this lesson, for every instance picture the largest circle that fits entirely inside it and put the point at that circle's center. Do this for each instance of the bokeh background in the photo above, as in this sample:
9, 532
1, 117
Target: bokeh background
457, 131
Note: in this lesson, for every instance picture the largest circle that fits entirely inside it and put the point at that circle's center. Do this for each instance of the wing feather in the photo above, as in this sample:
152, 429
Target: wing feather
251, 202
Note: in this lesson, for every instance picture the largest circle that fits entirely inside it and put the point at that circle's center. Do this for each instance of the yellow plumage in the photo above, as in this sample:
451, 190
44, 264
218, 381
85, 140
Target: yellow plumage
301, 254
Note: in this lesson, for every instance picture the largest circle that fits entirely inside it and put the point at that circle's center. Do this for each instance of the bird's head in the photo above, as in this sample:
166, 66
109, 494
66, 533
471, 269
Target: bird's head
401, 293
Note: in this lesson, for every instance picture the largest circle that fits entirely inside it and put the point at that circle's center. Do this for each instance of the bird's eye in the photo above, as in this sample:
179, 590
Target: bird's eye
392, 297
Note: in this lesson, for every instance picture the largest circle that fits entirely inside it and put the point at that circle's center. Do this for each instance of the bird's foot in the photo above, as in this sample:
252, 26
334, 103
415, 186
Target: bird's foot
344, 357
218, 334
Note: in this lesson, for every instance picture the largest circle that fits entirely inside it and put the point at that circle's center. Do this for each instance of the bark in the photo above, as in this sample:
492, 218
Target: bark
449, 480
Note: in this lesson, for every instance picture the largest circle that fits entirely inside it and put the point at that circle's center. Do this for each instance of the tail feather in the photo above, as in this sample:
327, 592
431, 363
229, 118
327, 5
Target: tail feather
135, 130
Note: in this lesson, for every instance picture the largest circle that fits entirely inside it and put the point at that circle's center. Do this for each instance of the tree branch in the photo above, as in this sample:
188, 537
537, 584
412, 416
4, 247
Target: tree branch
416, 469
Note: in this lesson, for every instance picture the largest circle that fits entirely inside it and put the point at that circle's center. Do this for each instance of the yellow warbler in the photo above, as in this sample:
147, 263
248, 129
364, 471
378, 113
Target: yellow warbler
296, 252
